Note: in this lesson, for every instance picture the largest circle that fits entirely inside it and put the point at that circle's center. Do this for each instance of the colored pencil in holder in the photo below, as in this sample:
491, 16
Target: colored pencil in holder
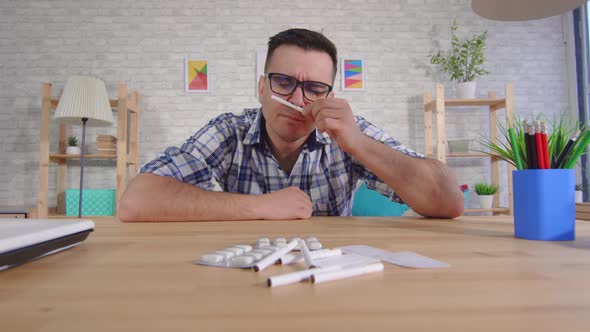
580, 145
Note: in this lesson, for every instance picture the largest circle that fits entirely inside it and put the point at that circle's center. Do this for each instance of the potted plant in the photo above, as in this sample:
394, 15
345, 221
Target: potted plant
561, 130
463, 62
72, 145
579, 193
486, 193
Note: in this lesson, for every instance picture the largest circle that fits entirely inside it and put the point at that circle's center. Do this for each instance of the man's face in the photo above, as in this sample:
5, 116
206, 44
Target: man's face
282, 122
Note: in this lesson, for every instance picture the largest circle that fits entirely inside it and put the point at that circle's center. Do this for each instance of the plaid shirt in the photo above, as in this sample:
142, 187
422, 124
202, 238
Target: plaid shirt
231, 151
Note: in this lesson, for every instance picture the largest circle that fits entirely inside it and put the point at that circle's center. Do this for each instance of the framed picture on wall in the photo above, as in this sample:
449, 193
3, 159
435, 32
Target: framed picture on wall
353, 74
196, 75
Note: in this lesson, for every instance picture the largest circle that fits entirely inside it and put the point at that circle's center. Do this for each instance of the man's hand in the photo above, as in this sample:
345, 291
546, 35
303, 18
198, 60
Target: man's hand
334, 116
288, 203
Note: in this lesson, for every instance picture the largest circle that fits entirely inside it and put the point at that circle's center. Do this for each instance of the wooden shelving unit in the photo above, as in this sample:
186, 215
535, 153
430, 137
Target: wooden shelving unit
439, 105
127, 157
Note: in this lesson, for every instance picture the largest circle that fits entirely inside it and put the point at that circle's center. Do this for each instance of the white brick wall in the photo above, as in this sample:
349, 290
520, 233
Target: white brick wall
143, 42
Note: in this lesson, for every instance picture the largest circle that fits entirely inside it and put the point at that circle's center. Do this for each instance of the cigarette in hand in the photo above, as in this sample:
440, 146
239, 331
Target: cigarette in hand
286, 103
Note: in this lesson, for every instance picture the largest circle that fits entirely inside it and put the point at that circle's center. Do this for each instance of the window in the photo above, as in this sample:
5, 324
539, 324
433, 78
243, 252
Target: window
582, 65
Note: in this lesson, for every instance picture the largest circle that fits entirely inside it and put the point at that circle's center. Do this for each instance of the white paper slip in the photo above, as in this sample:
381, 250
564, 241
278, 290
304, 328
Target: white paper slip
401, 258
413, 260
344, 260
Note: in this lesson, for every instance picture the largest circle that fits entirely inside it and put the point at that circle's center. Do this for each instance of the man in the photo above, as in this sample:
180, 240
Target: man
278, 163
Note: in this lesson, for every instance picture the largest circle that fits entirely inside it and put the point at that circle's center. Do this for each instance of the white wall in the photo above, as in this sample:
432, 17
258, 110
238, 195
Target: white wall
143, 43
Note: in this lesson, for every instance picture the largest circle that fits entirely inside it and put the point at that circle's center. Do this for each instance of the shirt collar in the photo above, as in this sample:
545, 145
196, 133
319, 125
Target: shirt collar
254, 134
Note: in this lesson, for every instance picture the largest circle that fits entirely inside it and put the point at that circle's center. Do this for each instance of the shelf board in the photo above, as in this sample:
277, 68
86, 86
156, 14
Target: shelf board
495, 210
94, 218
63, 156
469, 154
497, 103
464, 155
475, 102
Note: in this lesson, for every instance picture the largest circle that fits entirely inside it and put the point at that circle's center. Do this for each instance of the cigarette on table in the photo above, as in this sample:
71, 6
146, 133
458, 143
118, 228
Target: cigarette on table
306, 255
272, 258
294, 277
320, 276
322, 253
286, 103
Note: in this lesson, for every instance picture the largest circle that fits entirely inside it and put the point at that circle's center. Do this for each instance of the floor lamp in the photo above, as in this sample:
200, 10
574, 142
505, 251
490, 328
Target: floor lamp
84, 99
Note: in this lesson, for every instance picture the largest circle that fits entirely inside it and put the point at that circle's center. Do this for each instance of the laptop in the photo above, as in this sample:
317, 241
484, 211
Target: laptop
23, 240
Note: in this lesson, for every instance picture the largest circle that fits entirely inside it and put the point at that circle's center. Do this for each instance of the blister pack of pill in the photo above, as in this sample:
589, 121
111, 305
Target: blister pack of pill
262, 254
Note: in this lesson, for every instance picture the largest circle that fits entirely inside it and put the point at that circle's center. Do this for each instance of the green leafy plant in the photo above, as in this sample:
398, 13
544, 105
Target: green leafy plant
485, 189
463, 62
560, 130
72, 141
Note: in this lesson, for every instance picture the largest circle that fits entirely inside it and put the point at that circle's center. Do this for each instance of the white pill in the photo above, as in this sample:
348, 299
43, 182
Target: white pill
236, 251
212, 258
266, 250
256, 255
245, 247
311, 239
280, 242
241, 261
263, 239
262, 244
226, 253
314, 245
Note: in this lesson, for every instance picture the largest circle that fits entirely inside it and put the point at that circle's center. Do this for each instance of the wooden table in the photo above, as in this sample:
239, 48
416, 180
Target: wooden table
140, 277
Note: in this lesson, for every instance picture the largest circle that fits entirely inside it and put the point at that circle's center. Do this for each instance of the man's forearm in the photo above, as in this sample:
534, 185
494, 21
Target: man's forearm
151, 197
428, 186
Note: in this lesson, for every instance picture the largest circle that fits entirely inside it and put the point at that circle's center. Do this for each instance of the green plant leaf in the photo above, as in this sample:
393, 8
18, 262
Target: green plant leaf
485, 189
464, 60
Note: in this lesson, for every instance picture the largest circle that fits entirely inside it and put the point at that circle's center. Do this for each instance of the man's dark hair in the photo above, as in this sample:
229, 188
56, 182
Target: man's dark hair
305, 39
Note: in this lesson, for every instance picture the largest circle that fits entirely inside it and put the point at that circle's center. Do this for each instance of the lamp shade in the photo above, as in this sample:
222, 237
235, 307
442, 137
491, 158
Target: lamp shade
522, 10
85, 97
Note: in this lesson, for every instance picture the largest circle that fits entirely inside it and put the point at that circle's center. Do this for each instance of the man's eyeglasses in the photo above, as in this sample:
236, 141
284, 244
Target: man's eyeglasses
285, 85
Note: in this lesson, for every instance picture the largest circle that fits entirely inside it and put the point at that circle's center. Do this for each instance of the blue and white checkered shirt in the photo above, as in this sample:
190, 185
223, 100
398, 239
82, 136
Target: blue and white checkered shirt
231, 151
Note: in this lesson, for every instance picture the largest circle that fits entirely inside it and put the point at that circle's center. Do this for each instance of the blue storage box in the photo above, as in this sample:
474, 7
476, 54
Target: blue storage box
95, 202
544, 204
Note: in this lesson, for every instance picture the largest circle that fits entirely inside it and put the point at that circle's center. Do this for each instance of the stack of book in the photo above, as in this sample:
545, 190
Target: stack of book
583, 211
106, 144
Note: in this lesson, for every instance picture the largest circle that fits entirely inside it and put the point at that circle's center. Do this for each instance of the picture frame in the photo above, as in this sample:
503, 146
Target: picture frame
352, 75
196, 75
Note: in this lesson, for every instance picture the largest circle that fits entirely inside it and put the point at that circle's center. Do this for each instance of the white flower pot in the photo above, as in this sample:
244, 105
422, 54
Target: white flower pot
486, 201
73, 150
466, 90
579, 196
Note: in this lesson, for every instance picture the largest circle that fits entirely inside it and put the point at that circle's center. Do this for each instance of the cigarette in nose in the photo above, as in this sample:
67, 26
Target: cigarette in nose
286, 103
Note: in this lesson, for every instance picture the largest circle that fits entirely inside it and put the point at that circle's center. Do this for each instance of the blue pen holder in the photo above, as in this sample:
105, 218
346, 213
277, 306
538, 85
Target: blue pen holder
544, 204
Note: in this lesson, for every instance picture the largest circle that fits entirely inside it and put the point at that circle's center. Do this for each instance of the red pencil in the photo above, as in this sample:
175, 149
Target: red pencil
546, 158
539, 141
